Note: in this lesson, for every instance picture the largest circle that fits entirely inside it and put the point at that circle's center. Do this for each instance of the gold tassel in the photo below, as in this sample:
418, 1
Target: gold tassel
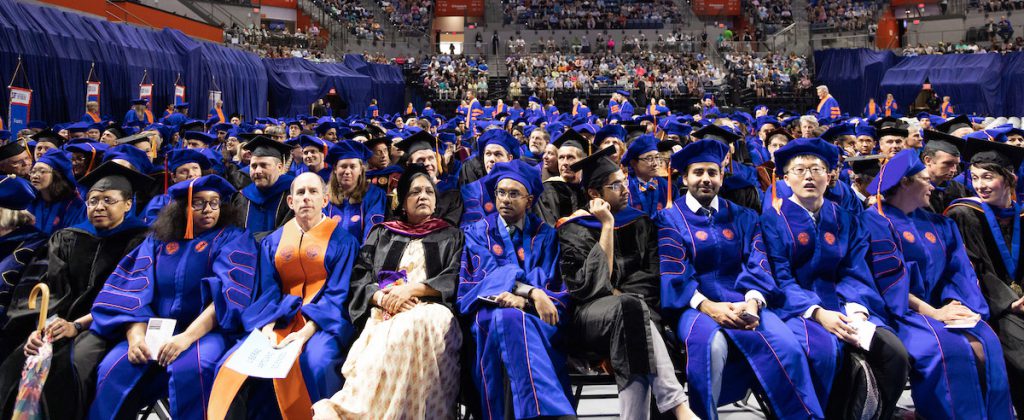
189, 228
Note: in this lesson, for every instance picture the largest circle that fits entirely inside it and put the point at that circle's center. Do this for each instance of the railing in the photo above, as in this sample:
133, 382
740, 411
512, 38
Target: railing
127, 14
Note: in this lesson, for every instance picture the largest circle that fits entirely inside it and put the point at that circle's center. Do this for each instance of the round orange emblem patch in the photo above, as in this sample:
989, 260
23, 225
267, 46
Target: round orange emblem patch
909, 237
488, 207
727, 233
354, 218
830, 238
803, 238
312, 251
200, 246
702, 235
287, 253
497, 249
930, 237
172, 248
336, 218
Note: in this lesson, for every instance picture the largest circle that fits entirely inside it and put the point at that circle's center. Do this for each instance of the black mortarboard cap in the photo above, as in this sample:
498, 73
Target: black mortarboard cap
49, 136
573, 138
422, 140
714, 132
937, 140
954, 124
113, 176
1002, 154
11, 149
596, 167
266, 146
867, 165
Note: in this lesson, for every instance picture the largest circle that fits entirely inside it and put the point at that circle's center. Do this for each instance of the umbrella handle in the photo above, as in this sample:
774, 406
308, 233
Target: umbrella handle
45, 290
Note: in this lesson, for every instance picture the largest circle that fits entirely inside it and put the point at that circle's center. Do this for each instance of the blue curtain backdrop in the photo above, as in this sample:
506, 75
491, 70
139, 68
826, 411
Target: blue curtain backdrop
852, 75
985, 84
57, 49
295, 83
388, 86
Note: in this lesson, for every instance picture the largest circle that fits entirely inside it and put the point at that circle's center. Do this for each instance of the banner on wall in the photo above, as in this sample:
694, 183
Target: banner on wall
146, 90
213, 99
179, 94
92, 91
21, 105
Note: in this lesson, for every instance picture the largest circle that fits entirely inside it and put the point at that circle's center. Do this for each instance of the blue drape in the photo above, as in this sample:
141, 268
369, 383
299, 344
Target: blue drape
973, 81
295, 84
852, 75
388, 85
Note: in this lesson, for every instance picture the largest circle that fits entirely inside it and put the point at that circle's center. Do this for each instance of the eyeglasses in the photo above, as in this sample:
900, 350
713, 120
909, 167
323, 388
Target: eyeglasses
815, 171
199, 205
40, 172
511, 195
107, 202
617, 186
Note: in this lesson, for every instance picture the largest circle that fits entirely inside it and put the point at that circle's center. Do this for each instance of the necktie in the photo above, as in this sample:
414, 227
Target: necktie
706, 212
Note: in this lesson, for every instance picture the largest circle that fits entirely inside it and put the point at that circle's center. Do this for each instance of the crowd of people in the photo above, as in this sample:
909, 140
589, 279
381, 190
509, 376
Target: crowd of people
409, 16
674, 41
769, 74
359, 20
280, 42
844, 15
411, 258
452, 76
599, 14
769, 16
962, 48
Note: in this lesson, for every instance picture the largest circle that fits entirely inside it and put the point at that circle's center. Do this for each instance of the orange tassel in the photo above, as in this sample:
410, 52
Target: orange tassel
92, 160
669, 204
776, 202
189, 225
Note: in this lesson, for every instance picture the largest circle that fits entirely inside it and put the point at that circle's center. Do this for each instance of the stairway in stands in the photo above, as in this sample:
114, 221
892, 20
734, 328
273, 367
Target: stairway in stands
799, 40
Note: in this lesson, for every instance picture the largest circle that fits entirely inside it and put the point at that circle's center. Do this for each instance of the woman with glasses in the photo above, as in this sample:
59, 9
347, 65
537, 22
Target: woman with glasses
405, 363
57, 204
195, 268
648, 192
924, 276
990, 224
356, 204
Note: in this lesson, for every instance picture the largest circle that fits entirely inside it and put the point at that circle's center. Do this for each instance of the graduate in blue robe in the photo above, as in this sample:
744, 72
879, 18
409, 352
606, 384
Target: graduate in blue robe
477, 200
740, 185
314, 152
202, 280
824, 290
262, 204
922, 270
356, 218
181, 165
21, 244
647, 192
139, 113
54, 213
302, 284
828, 107
178, 117
702, 257
517, 336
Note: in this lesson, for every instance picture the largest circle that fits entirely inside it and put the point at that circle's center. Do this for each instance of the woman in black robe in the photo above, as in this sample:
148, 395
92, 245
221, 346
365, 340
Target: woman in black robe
992, 225
81, 258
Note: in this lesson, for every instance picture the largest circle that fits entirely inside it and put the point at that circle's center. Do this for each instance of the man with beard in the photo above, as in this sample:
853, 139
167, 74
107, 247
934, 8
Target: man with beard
314, 151
941, 157
262, 205
562, 194
536, 143
15, 160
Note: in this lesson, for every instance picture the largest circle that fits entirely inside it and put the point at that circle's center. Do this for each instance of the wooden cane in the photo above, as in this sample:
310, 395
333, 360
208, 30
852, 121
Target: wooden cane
45, 290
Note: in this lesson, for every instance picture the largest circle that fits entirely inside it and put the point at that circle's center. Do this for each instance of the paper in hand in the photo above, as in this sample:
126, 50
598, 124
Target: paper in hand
158, 332
865, 333
257, 357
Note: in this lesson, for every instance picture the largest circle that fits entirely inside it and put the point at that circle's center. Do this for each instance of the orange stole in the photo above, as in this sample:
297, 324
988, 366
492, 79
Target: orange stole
95, 117
300, 265
220, 115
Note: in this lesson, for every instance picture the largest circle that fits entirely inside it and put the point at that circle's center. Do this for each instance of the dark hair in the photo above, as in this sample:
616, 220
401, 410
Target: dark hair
60, 189
170, 224
999, 170
405, 182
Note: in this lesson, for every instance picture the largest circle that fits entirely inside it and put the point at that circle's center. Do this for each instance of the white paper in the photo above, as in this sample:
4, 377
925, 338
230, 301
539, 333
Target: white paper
963, 324
258, 358
158, 332
865, 332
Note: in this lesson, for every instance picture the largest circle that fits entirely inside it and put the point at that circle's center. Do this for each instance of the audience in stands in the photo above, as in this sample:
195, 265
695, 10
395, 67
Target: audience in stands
843, 15
567, 14
452, 76
409, 16
963, 48
360, 21
769, 15
769, 75
279, 42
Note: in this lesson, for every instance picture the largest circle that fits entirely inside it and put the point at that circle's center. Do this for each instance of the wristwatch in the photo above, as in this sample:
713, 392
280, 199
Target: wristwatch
78, 327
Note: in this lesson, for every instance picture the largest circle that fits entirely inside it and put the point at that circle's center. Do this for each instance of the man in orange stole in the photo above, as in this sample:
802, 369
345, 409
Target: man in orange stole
303, 282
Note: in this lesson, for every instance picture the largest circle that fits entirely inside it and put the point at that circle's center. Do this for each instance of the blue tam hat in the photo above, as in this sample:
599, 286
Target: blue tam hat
131, 154
806, 146
903, 164
518, 171
643, 144
177, 158
60, 162
501, 138
700, 151
16, 193
347, 149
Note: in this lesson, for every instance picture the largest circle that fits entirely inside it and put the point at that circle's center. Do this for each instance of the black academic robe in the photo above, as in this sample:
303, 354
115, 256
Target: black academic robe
613, 312
999, 289
382, 251
472, 169
943, 195
559, 199
80, 261
449, 206
282, 213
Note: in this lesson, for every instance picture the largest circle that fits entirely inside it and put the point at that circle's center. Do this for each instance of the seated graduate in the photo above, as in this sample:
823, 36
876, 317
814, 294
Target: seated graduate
302, 282
941, 158
355, 203
80, 259
817, 253
703, 242
920, 267
181, 165
510, 289
196, 268
740, 183
314, 154
648, 192
20, 240
562, 194
423, 149
57, 204
405, 363
610, 263
990, 225
495, 145
262, 205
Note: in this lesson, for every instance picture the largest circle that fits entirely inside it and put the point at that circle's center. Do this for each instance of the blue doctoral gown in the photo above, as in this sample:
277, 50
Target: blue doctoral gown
175, 119
176, 280
648, 197
626, 111
922, 253
57, 215
359, 218
841, 194
477, 202
261, 213
822, 264
708, 255
510, 342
